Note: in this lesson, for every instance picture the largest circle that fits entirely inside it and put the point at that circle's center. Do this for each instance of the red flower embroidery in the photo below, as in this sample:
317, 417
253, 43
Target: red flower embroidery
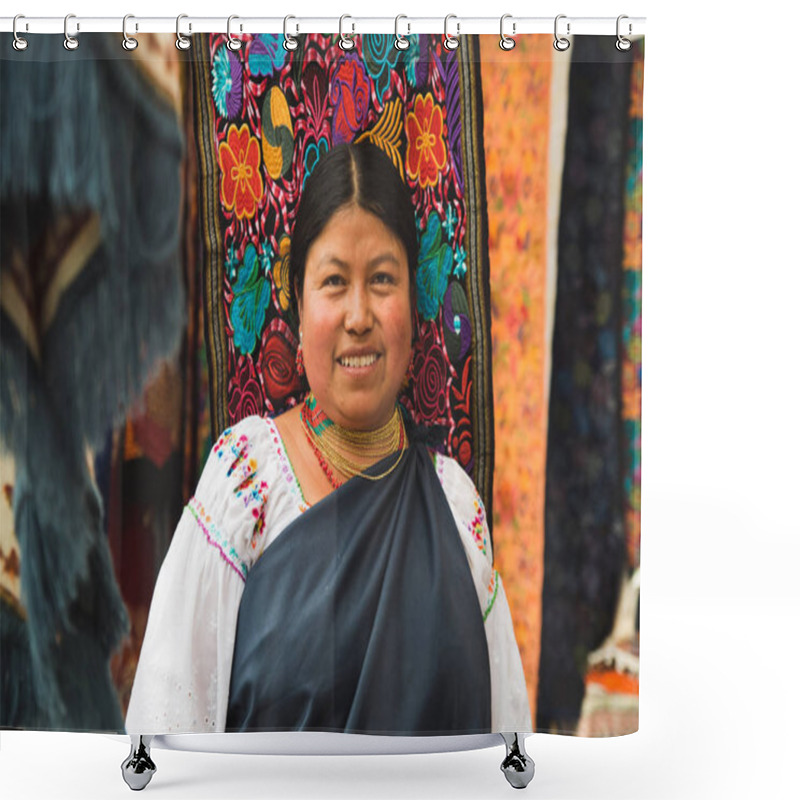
277, 362
246, 397
426, 153
240, 162
350, 98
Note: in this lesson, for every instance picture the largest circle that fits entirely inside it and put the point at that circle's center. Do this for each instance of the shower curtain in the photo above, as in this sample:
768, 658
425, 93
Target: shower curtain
147, 202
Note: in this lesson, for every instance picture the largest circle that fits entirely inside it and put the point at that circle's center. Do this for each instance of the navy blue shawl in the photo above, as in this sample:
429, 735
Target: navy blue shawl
362, 617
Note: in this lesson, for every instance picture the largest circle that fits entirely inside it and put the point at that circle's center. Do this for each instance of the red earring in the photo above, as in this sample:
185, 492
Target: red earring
301, 370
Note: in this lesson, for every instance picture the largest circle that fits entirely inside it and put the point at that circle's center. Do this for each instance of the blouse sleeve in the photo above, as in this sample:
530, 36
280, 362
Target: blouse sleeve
183, 676
510, 704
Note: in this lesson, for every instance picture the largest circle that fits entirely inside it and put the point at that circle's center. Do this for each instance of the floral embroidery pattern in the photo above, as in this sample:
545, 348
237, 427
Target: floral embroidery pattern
426, 154
240, 164
435, 266
431, 384
350, 97
494, 585
277, 136
380, 56
277, 361
274, 118
477, 525
216, 538
280, 274
315, 151
251, 296
265, 55
246, 395
226, 83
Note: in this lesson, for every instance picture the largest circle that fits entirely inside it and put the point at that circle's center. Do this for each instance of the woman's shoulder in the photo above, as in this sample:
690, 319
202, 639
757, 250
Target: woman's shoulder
452, 475
241, 458
464, 499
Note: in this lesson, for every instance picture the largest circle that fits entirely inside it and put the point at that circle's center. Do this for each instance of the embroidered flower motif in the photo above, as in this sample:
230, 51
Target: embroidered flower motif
380, 56
265, 55
478, 525
450, 220
460, 269
240, 164
491, 590
433, 272
350, 98
216, 538
277, 134
226, 83
410, 58
314, 93
277, 362
280, 273
251, 296
426, 154
246, 395
461, 446
314, 152
430, 386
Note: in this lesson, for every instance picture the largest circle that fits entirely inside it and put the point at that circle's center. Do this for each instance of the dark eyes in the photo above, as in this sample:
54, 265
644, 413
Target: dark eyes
380, 278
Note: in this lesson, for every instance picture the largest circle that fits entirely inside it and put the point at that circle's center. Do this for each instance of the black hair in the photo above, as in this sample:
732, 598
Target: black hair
353, 174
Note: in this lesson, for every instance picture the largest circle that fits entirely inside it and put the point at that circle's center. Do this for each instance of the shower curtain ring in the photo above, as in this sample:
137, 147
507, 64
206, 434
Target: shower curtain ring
559, 42
19, 43
622, 44
233, 44
506, 42
451, 42
182, 42
128, 42
400, 41
70, 42
346, 39
289, 42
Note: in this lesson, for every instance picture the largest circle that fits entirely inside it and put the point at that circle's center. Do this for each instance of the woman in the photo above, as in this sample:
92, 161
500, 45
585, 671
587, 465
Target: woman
331, 572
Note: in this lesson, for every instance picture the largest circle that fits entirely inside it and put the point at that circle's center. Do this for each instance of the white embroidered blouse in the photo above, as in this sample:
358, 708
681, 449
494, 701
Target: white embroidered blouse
247, 495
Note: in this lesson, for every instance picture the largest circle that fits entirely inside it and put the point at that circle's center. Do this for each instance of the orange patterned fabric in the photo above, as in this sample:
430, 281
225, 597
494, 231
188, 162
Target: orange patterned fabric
516, 136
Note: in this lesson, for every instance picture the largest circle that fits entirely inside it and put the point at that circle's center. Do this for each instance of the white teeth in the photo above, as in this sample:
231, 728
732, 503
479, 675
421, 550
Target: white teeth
358, 361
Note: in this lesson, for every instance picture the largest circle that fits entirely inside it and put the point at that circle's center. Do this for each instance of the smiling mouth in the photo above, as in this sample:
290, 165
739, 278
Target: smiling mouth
358, 361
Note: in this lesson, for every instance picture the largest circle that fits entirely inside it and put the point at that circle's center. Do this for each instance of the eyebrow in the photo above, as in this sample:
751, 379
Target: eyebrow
373, 262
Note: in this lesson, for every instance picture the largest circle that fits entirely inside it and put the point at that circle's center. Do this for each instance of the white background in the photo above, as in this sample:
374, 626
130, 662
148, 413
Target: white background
720, 604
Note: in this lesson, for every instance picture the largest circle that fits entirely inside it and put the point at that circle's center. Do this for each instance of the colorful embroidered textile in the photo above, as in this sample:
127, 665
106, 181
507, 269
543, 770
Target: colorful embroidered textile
265, 117
584, 512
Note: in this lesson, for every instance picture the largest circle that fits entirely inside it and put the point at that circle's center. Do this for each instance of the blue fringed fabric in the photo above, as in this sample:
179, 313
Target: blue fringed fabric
92, 300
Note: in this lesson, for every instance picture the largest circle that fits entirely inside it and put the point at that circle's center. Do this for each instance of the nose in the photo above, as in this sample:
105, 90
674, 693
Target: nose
358, 314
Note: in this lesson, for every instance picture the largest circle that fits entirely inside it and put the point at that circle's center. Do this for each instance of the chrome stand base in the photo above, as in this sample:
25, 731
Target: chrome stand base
518, 766
138, 768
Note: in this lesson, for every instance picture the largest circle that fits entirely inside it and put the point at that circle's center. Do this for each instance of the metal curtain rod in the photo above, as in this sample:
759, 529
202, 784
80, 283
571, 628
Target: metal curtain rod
573, 26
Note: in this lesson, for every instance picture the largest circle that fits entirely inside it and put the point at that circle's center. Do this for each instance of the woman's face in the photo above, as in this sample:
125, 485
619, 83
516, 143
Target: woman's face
355, 317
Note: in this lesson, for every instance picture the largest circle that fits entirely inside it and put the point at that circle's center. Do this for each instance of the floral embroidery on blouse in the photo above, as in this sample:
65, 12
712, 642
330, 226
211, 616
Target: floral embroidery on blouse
286, 468
216, 538
477, 525
494, 585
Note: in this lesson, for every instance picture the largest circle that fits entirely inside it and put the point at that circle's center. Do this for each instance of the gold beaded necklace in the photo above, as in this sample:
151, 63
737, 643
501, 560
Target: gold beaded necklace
344, 450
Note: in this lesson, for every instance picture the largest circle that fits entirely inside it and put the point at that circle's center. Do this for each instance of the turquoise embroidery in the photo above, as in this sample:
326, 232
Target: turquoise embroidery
216, 539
